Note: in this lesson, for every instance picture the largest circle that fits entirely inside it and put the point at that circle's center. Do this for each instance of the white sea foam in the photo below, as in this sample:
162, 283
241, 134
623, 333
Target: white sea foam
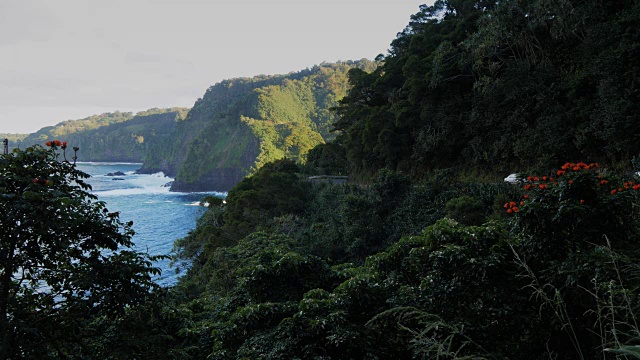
137, 184
159, 216
198, 203
92, 163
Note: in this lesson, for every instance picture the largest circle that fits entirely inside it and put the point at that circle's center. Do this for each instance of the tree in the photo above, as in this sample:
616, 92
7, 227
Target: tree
65, 260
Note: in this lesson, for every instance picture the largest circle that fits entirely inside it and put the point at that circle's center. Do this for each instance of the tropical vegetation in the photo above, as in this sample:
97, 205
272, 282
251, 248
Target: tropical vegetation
425, 253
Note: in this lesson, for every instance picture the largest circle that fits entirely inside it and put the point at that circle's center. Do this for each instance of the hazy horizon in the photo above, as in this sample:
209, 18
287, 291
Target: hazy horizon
71, 59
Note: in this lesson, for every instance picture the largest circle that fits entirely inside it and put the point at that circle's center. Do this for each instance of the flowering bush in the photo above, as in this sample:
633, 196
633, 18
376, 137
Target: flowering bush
577, 239
576, 208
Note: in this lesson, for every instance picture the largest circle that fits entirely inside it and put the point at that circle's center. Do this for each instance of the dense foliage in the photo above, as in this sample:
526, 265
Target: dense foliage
549, 268
417, 261
500, 86
67, 266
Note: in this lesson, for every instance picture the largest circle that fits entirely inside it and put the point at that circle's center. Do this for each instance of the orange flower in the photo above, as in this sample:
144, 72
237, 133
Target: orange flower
536, 178
527, 187
526, 196
509, 211
530, 178
544, 178
561, 172
636, 187
58, 143
512, 204
48, 143
613, 192
521, 203
515, 209
543, 186
64, 144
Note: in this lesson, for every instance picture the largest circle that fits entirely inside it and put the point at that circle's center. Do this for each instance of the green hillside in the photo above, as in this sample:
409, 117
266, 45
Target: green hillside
113, 136
241, 124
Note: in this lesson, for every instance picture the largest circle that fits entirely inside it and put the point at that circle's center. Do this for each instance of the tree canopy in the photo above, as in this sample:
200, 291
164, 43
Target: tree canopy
64, 258
499, 86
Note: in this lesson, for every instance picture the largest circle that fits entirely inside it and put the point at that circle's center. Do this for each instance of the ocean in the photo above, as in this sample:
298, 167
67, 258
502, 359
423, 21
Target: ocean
159, 216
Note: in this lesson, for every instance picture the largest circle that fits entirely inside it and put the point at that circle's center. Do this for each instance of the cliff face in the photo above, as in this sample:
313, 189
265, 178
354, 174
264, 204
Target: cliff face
241, 124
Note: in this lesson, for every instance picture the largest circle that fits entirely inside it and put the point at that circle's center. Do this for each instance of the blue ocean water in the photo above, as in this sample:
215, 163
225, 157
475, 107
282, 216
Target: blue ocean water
159, 216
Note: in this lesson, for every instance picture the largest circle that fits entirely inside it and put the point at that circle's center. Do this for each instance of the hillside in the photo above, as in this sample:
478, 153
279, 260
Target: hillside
235, 128
112, 136
496, 87
241, 124
13, 138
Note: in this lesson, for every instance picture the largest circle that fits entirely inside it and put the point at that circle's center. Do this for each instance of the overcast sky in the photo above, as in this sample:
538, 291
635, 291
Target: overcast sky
68, 59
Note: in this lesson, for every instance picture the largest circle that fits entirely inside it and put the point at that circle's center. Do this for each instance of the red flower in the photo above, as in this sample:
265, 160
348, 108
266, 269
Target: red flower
515, 209
526, 196
613, 192
512, 204
527, 187
544, 178
35, 181
582, 201
57, 142
521, 203
64, 144
536, 178
561, 172
506, 205
570, 182
509, 211
636, 187
48, 143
